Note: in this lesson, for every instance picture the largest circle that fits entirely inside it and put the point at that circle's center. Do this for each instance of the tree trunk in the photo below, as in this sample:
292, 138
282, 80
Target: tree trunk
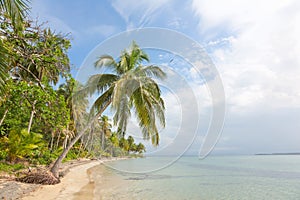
111, 151
57, 140
52, 140
55, 168
80, 149
88, 137
102, 140
65, 142
31, 116
4, 115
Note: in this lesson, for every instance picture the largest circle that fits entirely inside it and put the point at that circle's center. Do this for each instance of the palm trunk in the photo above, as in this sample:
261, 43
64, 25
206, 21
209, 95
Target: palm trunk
88, 137
102, 140
31, 116
4, 115
55, 168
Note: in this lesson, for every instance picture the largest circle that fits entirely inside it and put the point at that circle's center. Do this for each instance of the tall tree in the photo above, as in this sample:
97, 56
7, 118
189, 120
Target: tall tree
15, 11
130, 141
36, 54
129, 87
105, 129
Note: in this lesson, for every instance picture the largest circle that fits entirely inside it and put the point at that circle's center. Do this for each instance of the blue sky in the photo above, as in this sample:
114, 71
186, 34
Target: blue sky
255, 46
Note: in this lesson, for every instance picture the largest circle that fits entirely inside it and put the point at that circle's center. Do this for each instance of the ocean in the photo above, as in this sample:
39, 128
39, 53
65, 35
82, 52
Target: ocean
213, 178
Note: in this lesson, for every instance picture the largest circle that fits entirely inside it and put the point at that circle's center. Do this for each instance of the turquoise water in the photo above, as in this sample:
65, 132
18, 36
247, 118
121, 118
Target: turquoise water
214, 178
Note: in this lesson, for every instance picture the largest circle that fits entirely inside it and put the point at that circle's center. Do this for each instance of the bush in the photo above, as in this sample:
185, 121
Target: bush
20, 144
11, 167
46, 157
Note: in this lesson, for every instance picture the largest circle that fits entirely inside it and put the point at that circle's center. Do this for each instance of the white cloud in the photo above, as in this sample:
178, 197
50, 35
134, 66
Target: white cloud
260, 66
235, 14
143, 10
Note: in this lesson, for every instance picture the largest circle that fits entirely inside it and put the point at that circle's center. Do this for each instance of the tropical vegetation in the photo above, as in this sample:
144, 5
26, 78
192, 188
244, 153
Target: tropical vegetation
43, 123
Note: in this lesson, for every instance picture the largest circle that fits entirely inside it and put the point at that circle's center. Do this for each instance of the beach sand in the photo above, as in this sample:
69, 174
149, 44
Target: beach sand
77, 184
73, 182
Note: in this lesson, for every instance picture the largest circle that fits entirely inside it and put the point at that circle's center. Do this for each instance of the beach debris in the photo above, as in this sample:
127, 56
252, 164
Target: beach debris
42, 177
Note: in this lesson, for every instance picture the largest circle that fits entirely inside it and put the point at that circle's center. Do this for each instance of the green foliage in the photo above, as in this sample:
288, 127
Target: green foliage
7, 167
3, 153
15, 11
49, 108
140, 148
114, 140
123, 143
45, 156
130, 141
35, 119
36, 54
4, 67
130, 88
76, 153
20, 144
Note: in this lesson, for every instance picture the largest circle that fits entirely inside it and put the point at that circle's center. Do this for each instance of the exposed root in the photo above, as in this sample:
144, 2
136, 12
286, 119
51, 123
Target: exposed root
42, 177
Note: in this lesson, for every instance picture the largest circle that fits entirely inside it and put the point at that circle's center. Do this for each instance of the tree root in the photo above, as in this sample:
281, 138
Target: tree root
43, 178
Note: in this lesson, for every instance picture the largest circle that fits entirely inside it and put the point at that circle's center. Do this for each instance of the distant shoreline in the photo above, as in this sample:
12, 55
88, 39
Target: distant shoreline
276, 154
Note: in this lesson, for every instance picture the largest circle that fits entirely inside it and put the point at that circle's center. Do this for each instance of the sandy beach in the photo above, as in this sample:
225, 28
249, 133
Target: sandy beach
76, 184
75, 179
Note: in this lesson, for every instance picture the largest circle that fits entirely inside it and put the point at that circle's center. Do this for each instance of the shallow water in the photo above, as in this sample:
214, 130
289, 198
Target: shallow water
216, 177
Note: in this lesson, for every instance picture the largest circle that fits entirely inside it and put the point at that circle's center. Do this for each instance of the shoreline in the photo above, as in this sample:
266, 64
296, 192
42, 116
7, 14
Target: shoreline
76, 177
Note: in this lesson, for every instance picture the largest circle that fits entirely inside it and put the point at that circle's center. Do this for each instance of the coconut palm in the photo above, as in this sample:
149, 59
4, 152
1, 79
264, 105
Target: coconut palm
129, 87
105, 129
4, 67
16, 10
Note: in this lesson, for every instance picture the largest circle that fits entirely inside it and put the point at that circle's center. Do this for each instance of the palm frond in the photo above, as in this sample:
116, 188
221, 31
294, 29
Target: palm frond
148, 107
106, 61
124, 64
4, 67
150, 71
132, 88
99, 83
120, 104
137, 55
16, 10
101, 102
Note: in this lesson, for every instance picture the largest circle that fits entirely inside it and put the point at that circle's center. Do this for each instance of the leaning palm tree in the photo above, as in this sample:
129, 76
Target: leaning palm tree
129, 87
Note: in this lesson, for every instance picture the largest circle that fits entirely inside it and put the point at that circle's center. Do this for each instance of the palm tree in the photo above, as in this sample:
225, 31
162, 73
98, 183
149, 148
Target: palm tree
4, 67
105, 129
130, 141
130, 87
16, 10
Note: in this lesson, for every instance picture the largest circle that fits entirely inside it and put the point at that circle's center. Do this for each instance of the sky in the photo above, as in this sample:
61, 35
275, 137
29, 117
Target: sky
254, 46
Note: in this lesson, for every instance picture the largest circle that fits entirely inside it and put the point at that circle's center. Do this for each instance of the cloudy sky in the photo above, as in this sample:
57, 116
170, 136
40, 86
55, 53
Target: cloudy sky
254, 45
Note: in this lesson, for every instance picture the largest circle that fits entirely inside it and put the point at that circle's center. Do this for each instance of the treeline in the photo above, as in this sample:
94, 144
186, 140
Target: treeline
38, 121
